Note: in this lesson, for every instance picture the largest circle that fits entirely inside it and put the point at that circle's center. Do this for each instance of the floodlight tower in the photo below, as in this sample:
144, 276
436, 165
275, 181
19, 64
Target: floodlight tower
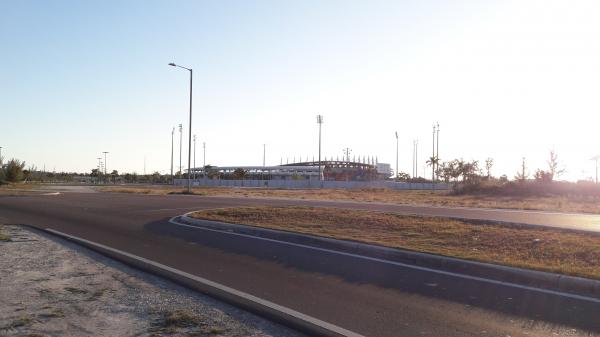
595, 158
105, 152
396, 154
320, 122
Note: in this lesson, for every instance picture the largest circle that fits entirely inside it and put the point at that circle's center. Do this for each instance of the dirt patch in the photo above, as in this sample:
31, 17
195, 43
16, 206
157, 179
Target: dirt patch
545, 249
49, 287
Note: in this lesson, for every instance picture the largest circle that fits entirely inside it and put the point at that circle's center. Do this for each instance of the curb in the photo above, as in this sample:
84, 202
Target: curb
259, 306
525, 277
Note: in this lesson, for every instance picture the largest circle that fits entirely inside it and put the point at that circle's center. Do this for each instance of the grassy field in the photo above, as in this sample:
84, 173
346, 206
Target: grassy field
577, 204
551, 250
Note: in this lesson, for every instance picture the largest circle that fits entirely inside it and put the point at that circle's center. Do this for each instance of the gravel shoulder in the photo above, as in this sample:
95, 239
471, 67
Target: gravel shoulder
50, 287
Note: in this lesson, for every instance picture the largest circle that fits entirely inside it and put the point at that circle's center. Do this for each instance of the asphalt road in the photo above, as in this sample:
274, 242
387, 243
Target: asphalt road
374, 299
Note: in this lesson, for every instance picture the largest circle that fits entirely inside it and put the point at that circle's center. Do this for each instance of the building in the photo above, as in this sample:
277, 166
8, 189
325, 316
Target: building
331, 170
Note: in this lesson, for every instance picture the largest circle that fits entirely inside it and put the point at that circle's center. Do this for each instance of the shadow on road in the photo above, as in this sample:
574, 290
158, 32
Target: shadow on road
509, 300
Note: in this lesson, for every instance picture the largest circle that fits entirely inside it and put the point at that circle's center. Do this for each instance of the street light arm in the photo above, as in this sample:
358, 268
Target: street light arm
176, 65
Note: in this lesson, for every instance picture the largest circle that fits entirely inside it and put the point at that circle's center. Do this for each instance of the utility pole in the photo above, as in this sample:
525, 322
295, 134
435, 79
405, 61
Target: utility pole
396, 154
320, 122
595, 158
194, 158
180, 140
264, 154
172, 134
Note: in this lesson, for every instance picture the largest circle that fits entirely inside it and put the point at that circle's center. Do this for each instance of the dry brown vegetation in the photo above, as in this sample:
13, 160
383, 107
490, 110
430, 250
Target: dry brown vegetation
578, 204
553, 250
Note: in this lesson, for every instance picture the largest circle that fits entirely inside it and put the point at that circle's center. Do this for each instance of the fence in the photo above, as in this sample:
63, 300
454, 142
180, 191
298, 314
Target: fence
309, 183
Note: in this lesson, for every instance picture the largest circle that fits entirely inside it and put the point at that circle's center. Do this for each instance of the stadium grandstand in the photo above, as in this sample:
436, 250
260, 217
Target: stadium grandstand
330, 170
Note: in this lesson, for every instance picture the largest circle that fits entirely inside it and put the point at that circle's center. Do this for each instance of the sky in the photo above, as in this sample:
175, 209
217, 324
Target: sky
504, 79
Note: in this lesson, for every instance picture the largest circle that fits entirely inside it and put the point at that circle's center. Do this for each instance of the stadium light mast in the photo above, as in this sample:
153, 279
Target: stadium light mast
595, 158
437, 151
396, 154
433, 161
105, 168
189, 187
320, 122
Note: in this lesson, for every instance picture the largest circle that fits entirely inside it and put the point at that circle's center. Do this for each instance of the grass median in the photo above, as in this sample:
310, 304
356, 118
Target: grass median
578, 204
546, 249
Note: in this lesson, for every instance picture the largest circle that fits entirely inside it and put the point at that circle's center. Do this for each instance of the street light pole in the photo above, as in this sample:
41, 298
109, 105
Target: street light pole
190, 133
180, 146
204, 154
172, 134
264, 153
194, 158
320, 122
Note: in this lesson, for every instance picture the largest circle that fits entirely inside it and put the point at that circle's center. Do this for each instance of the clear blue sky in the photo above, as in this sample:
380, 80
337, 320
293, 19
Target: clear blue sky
505, 79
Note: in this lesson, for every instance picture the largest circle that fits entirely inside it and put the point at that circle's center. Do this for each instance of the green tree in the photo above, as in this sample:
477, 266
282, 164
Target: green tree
13, 170
239, 173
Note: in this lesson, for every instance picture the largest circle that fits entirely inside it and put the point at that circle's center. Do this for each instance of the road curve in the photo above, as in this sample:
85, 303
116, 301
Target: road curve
374, 299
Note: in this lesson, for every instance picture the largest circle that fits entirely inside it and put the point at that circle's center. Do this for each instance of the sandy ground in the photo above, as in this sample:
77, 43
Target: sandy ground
50, 287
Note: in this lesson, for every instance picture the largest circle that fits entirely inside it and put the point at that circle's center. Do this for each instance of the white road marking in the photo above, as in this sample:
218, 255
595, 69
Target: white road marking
400, 264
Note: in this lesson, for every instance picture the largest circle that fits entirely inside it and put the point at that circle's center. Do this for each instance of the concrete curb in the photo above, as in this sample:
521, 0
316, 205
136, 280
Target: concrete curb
525, 277
263, 308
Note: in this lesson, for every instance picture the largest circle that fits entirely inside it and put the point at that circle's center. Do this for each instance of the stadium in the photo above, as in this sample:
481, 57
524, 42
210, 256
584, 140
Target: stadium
330, 170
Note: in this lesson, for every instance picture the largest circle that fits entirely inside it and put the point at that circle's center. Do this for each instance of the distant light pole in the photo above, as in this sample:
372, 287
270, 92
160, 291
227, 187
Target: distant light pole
180, 141
194, 158
204, 154
264, 153
595, 158
320, 122
105, 168
190, 134
396, 154
172, 134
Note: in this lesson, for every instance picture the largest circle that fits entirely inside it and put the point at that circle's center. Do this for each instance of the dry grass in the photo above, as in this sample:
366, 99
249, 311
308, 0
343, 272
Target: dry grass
552, 250
577, 204
3, 236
